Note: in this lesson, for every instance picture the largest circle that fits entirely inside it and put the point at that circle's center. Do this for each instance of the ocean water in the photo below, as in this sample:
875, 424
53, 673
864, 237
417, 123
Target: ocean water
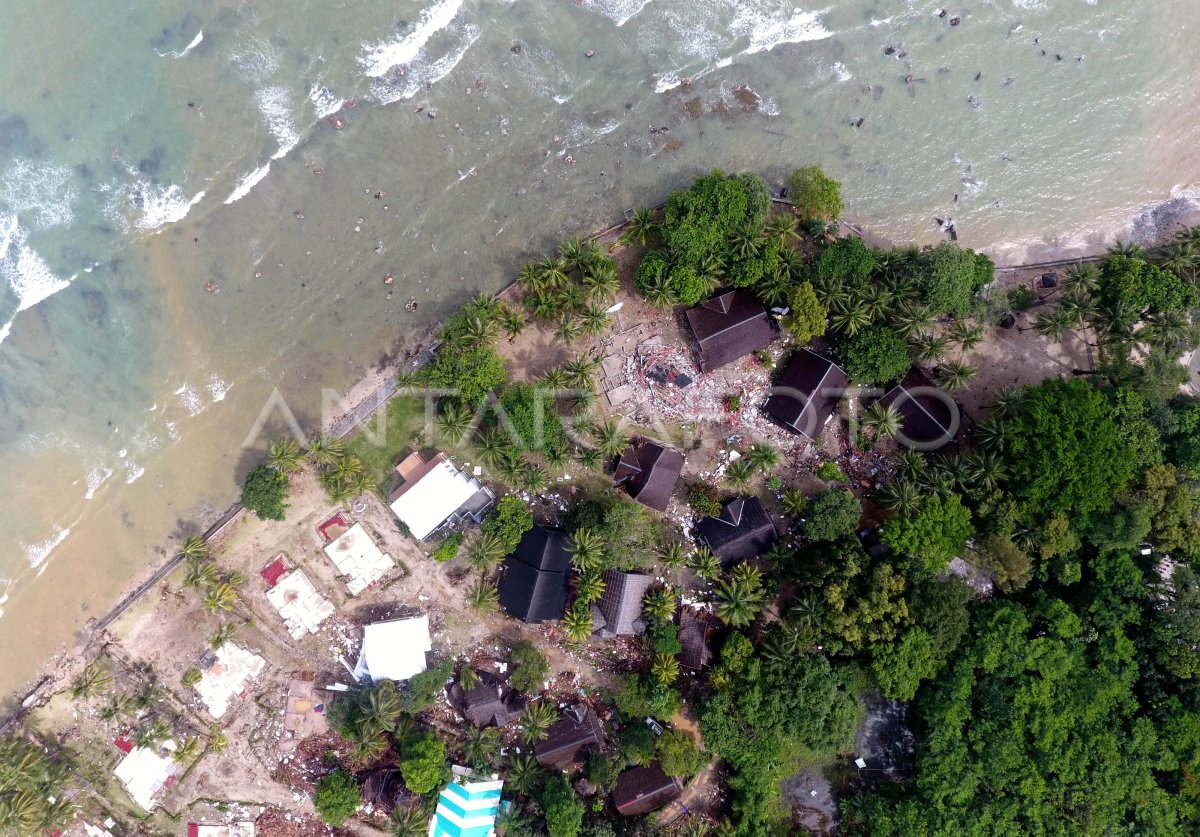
149, 151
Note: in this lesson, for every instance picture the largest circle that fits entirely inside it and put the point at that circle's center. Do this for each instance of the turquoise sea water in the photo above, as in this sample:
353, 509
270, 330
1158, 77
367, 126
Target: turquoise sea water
151, 150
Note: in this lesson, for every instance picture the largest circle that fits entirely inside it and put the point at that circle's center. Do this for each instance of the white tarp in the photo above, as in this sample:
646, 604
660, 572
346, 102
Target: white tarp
226, 679
143, 772
233, 829
437, 495
358, 558
394, 650
300, 606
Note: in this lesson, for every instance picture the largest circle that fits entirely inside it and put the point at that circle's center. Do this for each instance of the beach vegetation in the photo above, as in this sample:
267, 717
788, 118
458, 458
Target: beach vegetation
264, 492
337, 797
817, 196
194, 548
92, 682
704, 498
832, 514
875, 356
34, 784
806, 318
423, 763
529, 667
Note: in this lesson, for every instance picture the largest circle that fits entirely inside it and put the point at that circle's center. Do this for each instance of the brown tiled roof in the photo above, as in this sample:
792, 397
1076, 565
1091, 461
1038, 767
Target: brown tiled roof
569, 736
743, 530
621, 603
693, 636
411, 471
649, 471
807, 393
728, 327
924, 417
641, 790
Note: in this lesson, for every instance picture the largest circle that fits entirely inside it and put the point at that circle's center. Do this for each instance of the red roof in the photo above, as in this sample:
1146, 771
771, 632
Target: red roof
337, 521
274, 571
193, 830
124, 744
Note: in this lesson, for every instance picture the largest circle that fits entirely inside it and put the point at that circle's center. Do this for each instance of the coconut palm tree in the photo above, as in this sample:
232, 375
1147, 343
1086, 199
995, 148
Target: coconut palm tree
573, 253
225, 633
188, 750
1114, 322
538, 718
1127, 250
793, 502
577, 623
1081, 278
512, 320
659, 291
954, 375
928, 348
1165, 330
763, 456
966, 335
532, 280
594, 319
611, 438
984, 469
147, 697
589, 458
92, 682
665, 668
483, 597
380, 709
1053, 324
705, 564
937, 481
217, 741
899, 496
590, 587
738, 604
659, 604
674, 554
325, 451
485, 551
912, 319
409, 822
909, 463
554, 272
747, 240
808, 611
641, 227
569, 329
587, 550
201, 573
542, 305
571, 298
368, 748
850, 316
883, 419
773, 291
468, 678
1078, 308
363, 484
554, 379
712, 270
191, 677
783, 227
739, 473
481, 747
220, 598
454, 420
1006, 401
877, 301
494, 446
511, 468
194, 548
581, 371
993, 433
1180, 258
120, 705
153, 734
523, 772
534, 479
285, 456
748, 574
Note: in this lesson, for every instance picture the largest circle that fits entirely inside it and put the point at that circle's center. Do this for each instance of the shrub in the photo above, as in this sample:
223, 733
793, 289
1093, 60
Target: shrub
471, 371
448, 548
562, 808
532, 417
529, 668
509, 521
833, 514
733, 403
653, 268
949, 276
639, 696
678, 754
847, 260
1021, 298
830, 472
875, 356
337, 797
423, 764
806, 315
264, 491
817, 196
704, 498
424, 688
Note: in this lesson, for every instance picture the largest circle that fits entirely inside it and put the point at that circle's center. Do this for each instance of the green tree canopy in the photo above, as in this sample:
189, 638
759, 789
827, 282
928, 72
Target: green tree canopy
563, 809
264, 492
875, 356
508, 521
949, 276
816, 195
806, 317
1143, 287
697, 221
470, 371
529, 667
832, 514
846, 260
933, 532
423, 764
337, 797
678, 754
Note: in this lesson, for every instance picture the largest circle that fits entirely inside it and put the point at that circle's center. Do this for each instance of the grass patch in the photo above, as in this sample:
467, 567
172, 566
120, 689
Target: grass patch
381, 443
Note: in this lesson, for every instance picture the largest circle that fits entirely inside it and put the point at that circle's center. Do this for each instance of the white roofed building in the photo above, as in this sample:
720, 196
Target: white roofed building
226, 674
300, 606
358, 558
435, 493
144, 773
394, 650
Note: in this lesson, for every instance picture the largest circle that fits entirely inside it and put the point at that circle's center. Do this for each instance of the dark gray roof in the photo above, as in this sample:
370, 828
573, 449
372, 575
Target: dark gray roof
649, 472
925, 417
807, 393
534, 588
728, 327
641, 790
577, 729
743, 530
621, 604
491, 703
693, 636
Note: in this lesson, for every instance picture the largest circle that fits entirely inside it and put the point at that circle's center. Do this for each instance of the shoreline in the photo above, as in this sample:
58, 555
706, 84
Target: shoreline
373, 391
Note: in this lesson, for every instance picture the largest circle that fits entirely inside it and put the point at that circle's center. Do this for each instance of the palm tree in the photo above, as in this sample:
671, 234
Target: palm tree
763, 456
554, 272
571, 298
739, 473
594, 319
659, 292
1053, 324
92, 682
153, 734
712, 270
850, 316
147, 697
581, 370
590, 587
779, 554
774, 291
534, 479
380, 710
967, 336
409, 822
468, 678
665, 668
223, 634
348, 468
877, 301
955, 375
569, 329
187, 750
194, 548
984, 469
554, 379
122, 704
577, 623
542, 305
485, 551
340, 493
363, 484
1006, 401
481, 747
285, 456
641, 227
454, 420
512, 320
993, 433
737, 603
808, 611
674, 554
587, 550
369, 747
884, 419
1077, 308
659, 604
610, 438
928, 348
1180, 258
589, 458
220, 598
783, 226
493, 446
532, 279
523, 772
705, 564
899, 496
201, 573
537, 720
793, 502
747, 240
325, 450
191, 677
1114, 322
1165, 330
1081, 278
1127, 250
511, 468
909, 463
573, 253
912, 319
747, 574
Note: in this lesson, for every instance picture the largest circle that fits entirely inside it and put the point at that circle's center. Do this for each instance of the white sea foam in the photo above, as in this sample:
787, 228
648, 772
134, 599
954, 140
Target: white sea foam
172, 430
619, 12
256, 59
190, 400
180, 53
767, 31
379, 59
217, 387
95, 479
275, 105
28, 276
425, 68
148, 207
248, 182
37, 553
324, 101
667, 81
42, 192
6, 585
133, 472
769, 107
